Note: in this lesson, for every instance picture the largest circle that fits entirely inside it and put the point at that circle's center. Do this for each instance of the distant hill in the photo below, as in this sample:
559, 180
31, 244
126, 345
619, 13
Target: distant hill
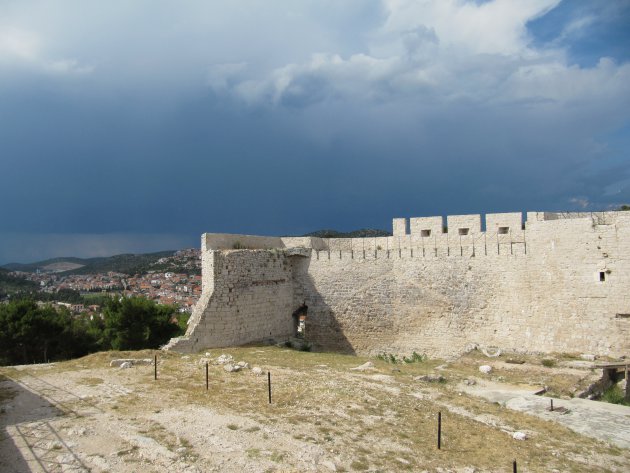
10, 284
127, 263
363, 233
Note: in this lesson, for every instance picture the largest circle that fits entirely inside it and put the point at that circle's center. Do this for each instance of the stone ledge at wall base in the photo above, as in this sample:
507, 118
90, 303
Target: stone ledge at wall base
181, 344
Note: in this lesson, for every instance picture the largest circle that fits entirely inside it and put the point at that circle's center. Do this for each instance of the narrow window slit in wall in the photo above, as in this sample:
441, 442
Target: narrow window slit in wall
425, 233
602, 276
464, 231
504, 230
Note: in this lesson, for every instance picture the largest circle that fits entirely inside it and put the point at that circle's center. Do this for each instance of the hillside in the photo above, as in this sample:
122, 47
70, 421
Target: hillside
11, 284
126, 263
363, 233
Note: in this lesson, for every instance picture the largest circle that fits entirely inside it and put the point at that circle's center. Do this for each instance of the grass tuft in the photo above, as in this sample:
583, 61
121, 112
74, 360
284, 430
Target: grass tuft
615, 395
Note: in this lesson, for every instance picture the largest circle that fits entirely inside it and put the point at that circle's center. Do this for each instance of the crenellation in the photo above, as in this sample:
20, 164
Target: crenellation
426, 227
399, 226
556, 284
460, 225
504, 223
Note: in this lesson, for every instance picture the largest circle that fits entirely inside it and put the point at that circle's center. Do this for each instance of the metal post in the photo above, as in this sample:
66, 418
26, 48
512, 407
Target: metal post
439, 439
269, 384
155, 368
514, 469
206, 375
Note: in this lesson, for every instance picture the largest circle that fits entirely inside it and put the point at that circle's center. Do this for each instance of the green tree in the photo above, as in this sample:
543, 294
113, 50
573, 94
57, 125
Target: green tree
29, 333
135, 323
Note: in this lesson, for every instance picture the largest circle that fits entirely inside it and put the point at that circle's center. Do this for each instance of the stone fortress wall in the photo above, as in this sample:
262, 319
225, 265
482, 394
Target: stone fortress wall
558, 282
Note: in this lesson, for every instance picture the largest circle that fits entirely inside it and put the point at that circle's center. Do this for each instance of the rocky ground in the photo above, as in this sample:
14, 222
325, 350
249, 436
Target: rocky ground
326, 415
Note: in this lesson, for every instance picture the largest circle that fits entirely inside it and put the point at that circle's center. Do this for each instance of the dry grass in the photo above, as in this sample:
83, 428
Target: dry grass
379, 420
318, 399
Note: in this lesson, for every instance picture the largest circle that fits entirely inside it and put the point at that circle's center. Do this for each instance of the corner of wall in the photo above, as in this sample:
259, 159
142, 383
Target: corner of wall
399, 226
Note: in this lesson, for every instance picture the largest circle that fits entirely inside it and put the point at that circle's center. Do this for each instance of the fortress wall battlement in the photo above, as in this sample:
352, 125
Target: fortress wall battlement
560, 285
551, 299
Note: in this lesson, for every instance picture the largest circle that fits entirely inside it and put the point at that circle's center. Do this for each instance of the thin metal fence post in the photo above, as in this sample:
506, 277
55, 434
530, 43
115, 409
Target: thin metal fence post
439, 433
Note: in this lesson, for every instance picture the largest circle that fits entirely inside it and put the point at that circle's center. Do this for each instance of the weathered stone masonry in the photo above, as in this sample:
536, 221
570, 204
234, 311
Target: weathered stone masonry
559, 283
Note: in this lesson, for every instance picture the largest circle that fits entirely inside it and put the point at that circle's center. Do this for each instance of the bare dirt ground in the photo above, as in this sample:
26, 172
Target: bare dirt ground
84, 415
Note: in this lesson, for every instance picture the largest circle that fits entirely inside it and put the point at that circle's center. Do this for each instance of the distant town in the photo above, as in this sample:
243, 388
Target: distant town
176, 280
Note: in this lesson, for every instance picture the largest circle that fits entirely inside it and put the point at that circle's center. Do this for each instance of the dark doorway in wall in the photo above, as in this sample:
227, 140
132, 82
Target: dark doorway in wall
299, 321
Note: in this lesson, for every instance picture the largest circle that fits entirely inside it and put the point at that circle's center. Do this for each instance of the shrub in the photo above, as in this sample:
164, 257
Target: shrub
305, 347
548, 362
135, 323
614, 395
415, 358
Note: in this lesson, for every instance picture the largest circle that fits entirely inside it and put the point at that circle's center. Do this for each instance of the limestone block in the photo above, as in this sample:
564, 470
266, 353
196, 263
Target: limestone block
426, 227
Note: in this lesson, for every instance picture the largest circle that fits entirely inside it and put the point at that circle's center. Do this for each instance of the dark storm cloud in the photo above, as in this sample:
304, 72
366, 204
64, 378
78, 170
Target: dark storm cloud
155, 119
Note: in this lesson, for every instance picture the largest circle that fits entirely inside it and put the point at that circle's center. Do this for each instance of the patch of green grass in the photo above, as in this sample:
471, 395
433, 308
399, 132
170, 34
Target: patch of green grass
232, 426
393, 359
89, 381
548, 362
360, 465
415, 358
277, 456
253, 452
614, 395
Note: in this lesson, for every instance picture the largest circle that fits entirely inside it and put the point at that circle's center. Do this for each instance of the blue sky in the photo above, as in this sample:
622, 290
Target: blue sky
136, 126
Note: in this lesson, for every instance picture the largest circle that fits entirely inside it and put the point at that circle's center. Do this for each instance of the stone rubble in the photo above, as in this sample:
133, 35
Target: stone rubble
368, 365
224, 359
430, 378
134, 361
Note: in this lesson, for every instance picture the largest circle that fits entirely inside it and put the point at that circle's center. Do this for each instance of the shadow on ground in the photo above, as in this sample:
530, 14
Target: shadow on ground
28, 440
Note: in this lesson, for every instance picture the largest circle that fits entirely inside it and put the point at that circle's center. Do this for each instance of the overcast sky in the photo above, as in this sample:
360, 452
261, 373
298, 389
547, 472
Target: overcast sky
131, 126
